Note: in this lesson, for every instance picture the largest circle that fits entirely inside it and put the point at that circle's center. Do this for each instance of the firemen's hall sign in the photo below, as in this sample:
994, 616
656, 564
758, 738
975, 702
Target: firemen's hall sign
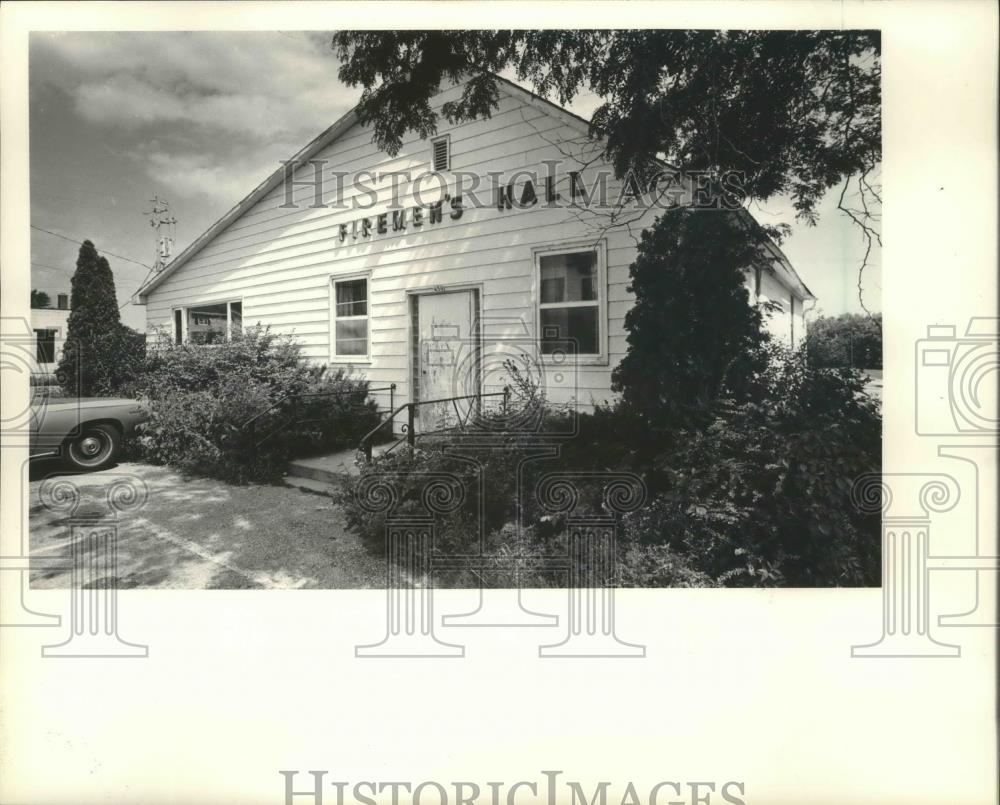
523, 190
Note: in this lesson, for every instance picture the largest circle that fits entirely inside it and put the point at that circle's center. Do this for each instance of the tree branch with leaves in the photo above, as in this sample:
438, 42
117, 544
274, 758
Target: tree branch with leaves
795, 113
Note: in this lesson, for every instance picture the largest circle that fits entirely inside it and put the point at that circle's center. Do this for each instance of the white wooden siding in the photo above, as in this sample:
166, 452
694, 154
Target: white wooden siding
279, 261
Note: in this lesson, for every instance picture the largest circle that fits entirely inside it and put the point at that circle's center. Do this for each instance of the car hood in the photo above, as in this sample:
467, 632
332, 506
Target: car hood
89, 402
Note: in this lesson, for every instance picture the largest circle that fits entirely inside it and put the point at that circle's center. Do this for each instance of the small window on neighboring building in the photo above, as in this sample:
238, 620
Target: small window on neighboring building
208, 324
62, 300
441, 153
569, 302
45, 346
350, 318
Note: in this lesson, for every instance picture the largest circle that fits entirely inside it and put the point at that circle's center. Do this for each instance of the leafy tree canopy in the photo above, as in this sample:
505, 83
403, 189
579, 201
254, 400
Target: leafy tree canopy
796, 112
40, 299
846, 340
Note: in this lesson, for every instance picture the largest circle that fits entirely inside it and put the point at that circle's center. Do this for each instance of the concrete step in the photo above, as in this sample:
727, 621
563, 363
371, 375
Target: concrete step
329, 468
332, 468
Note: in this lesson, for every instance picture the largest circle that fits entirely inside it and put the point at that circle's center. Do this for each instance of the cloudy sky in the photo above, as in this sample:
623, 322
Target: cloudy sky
201, 118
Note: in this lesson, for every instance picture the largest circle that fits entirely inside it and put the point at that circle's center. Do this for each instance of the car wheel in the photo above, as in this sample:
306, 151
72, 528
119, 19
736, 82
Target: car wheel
94, 448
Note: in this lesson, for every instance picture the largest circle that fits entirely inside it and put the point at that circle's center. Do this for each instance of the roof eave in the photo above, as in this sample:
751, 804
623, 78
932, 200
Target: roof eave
273, 180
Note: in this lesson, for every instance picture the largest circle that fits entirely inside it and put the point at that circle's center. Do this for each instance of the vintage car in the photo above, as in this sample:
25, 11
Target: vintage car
86, 431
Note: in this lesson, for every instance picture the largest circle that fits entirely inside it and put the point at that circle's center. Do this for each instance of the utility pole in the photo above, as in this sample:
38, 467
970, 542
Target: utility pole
165, 225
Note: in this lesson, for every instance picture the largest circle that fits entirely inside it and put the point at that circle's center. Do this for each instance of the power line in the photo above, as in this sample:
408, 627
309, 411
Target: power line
79, 241
54, 268
132, 296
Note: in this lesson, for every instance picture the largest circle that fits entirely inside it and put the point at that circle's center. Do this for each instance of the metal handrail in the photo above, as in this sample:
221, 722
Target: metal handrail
409, 427
365, 443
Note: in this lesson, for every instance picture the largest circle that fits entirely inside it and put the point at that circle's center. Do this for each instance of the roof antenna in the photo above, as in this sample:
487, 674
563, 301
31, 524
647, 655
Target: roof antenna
165, 225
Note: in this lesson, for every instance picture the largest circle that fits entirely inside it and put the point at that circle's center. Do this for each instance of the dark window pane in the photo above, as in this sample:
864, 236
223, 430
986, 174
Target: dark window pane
45, 346
352, 298
576, 324
178, 322
569, 277
207, 324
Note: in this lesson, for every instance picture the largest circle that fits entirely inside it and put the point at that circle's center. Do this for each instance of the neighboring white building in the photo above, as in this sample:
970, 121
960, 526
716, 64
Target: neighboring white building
407, 295
49, 326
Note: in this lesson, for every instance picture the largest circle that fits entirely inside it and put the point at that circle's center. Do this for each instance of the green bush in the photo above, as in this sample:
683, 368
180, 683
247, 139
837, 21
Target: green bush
239, 410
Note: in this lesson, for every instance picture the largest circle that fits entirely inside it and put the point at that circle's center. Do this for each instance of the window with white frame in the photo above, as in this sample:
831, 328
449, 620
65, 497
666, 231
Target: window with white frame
569, 302
350, 318
208, 324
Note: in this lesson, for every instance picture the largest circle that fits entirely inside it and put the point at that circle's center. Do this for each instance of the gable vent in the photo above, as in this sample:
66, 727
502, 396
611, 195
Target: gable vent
440, 154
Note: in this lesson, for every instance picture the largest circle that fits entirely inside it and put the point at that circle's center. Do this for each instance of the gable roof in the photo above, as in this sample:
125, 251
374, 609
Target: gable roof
335, 131
310, 150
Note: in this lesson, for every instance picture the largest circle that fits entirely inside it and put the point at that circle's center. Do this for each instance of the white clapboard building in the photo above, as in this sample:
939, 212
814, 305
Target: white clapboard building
402, 269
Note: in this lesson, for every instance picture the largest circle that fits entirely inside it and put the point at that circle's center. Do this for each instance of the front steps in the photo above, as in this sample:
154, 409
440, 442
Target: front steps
323, 474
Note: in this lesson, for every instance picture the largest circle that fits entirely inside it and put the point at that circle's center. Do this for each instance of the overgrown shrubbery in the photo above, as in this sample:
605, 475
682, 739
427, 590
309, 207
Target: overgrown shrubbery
759, 496
240, 409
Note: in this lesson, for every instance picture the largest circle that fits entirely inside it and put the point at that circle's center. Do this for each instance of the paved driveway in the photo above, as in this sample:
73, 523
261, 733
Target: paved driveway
204, 534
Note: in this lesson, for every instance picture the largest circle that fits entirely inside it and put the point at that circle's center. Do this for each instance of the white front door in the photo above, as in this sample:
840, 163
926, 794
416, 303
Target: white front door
446, 356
